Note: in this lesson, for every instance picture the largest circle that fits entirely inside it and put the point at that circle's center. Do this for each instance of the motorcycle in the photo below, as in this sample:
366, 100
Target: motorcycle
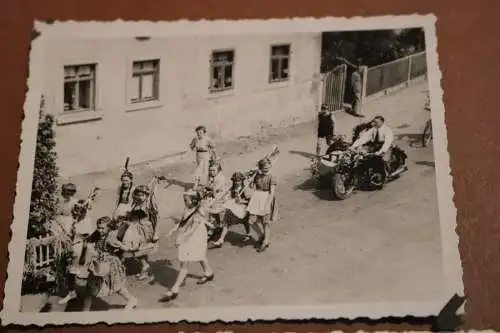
348, 170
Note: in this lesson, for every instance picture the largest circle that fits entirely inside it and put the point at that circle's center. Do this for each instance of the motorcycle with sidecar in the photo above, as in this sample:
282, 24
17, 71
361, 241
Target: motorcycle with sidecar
346, 170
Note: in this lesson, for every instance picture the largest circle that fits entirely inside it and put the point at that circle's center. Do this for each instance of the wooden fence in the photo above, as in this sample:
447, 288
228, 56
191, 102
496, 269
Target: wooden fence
394, 73
43, 252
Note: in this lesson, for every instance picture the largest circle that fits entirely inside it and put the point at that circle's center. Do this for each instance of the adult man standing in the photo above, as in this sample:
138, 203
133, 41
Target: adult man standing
357, 89
379, 139
356, 86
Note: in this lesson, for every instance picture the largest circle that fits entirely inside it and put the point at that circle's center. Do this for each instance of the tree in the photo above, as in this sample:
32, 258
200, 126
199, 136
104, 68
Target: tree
369, 47
44, 198
413, 37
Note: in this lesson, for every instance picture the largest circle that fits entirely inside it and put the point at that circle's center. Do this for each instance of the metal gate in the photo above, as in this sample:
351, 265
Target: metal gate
333, 83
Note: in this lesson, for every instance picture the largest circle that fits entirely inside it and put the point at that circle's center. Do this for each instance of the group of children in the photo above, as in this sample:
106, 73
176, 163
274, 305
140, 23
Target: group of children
97, 254
215, 202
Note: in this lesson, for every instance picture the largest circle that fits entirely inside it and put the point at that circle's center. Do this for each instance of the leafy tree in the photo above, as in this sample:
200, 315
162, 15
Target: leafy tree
369, 47
413, 37
44, 198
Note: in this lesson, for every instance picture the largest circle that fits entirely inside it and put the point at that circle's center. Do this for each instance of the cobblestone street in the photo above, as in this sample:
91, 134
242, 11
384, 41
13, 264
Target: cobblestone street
322, 251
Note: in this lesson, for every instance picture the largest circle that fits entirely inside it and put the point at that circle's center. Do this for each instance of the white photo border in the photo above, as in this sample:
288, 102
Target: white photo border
447, 212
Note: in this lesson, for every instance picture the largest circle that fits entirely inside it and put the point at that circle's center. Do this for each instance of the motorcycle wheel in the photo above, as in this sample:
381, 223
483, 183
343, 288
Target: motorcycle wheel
376, 180
340, 190
427, 134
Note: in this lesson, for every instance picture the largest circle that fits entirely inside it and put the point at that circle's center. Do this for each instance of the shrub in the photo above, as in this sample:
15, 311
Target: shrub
44, 201
44, 196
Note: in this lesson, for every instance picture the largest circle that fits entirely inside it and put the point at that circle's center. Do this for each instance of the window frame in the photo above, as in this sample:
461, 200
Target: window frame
141, 73
224, 64
279, 58
93, 91
81, 115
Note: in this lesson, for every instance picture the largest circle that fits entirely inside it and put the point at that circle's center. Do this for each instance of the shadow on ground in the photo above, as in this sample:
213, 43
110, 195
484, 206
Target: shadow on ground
414, 139
238, 240
320, 190
430, 164
76, 305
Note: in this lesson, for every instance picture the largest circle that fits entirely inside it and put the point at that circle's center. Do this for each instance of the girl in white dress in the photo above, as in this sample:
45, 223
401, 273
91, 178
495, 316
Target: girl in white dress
263, 208
191, 242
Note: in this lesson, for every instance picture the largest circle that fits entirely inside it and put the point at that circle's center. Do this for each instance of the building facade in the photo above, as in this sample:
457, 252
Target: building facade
142, 97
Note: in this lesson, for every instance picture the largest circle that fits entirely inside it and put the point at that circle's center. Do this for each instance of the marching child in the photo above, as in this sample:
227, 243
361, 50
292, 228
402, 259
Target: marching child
124, 202
64, 219
191, 242
82, 228
138, 232
237, 204
263, 206
107, 274
218, 186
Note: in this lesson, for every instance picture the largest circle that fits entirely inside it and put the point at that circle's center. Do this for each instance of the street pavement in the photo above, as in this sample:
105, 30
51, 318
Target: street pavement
375, 246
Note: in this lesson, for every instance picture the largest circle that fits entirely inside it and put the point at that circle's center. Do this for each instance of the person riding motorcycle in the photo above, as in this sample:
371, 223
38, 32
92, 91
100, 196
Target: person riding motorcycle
378, 140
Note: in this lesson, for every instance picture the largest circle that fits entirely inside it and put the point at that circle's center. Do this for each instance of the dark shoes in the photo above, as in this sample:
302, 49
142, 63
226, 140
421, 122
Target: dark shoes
206, 278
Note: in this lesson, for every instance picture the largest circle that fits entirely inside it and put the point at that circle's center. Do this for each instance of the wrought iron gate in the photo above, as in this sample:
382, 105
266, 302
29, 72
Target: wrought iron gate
333, 88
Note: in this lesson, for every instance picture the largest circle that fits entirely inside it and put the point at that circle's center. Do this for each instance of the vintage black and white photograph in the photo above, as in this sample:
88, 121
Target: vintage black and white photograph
259, 170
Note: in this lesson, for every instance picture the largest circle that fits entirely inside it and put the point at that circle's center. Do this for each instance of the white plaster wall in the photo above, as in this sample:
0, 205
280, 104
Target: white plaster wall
185, 102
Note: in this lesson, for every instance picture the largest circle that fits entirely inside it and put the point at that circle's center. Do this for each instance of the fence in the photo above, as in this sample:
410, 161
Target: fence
394, 73
333, 87
43, 252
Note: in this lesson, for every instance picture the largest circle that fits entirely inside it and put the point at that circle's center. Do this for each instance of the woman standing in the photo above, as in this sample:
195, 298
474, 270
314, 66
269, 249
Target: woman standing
191, 242
204, 149
263, 206
107, 273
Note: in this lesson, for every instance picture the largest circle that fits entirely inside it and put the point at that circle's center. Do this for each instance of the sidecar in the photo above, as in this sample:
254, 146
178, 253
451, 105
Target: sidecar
322, 167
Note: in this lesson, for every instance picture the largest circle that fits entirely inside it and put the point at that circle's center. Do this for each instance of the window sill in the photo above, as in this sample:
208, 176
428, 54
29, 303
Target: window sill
222, 93
73, 117
279, 83
275, 85
131, 107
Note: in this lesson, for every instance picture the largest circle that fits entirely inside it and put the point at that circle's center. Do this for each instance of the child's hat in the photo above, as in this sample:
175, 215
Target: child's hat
142, 189
127, 174
264, 162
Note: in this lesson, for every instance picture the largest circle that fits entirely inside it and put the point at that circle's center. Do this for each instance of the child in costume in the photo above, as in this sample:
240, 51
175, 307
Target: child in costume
191, 242
218, 186
107, 275
125, 191
137, 233
262, 207
82, 228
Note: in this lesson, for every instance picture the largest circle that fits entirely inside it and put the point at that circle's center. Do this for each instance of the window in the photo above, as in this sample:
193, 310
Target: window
280, 63
145, 81
79, 88
221, 71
